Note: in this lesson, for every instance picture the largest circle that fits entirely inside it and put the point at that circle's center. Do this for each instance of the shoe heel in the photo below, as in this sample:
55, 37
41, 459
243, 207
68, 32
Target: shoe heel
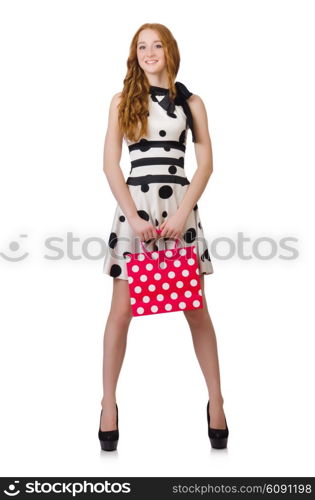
218, 443
109, 445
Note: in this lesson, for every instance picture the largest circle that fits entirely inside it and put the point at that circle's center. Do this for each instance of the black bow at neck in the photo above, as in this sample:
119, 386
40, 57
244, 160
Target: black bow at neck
182, 94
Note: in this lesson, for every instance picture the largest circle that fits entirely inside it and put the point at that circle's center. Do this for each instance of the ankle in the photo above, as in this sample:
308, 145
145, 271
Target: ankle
108, 402
216, 400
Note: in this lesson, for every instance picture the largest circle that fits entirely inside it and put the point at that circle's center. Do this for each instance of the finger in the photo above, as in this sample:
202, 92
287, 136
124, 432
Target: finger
147, 235
169, 232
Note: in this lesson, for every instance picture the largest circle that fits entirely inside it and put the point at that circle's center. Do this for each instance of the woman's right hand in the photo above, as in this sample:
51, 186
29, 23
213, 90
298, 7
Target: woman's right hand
143, 229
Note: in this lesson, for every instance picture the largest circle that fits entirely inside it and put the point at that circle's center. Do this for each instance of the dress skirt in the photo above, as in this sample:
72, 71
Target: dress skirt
155, 202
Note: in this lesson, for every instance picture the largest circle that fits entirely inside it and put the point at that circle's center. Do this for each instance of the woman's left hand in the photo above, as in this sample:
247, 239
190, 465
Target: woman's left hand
173, 226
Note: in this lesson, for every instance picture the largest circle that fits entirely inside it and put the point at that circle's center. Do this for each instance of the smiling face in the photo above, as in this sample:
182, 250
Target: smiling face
150, 53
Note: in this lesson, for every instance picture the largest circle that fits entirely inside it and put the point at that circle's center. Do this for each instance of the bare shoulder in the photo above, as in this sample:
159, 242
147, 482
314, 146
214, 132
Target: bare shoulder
117, 96
113, 108
200, 119
113, 128
115, 100
196, 104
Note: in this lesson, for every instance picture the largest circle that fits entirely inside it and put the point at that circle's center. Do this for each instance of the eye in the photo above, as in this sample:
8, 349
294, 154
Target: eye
158, 45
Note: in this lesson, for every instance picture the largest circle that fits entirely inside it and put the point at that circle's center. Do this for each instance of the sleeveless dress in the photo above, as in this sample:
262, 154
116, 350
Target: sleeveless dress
157, 183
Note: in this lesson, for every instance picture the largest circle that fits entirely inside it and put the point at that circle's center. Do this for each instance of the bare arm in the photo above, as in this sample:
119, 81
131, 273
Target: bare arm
203, 151
111, 166
111, 159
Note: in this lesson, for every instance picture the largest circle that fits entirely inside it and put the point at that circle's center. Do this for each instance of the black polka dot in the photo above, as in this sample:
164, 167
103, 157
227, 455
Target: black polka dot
164, 214
165, 192
143, 214
196, 207
112, 242
145, 188
206, 254
182, 136
122, 218
199, 225
162, 133
144, 145
190, 235
167, 148
156, 222
172, 169
126, 253
115, 270
181, 161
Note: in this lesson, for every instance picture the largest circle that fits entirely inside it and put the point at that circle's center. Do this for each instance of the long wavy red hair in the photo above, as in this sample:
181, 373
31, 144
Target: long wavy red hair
134, 103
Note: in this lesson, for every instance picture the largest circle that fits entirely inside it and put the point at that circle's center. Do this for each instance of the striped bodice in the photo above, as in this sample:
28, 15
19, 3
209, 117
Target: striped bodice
160, 156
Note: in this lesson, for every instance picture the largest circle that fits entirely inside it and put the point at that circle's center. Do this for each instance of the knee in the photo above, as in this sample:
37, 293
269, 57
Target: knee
122, 314
195, 316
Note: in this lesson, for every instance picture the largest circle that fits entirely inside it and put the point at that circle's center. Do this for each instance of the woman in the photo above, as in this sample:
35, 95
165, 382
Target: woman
157, 204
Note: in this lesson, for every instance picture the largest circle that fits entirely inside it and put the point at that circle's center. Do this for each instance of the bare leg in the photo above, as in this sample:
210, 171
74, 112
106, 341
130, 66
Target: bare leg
114, 344
205, 345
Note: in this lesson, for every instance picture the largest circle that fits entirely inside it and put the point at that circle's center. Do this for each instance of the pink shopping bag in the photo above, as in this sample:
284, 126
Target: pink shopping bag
164, 280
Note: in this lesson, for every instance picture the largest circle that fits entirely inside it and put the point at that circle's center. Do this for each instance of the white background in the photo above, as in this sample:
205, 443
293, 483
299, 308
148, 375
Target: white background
252, 64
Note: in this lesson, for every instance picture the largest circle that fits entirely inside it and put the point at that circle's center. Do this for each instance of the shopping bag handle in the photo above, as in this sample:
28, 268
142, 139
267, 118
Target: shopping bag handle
159, 231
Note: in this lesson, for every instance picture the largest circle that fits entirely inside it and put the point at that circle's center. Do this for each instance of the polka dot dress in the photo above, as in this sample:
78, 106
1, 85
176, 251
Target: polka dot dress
157, 183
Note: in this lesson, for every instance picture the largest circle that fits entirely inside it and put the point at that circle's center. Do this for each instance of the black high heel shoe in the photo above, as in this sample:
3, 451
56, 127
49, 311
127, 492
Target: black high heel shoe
109, 439
218, 437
